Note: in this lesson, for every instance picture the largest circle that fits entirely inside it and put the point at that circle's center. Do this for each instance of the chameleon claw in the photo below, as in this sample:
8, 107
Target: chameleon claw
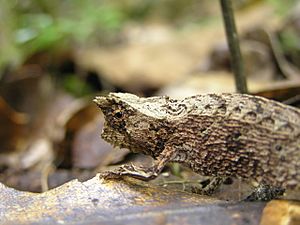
110, 175
130, 171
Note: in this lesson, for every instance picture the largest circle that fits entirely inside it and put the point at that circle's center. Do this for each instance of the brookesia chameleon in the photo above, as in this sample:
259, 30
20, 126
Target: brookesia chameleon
217, 135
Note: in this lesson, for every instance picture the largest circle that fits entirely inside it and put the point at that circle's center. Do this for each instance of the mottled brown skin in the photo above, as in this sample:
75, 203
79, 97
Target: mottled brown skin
218, 135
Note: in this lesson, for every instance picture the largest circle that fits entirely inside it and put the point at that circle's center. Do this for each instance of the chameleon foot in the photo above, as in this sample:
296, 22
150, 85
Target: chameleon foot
131, 171
265, 192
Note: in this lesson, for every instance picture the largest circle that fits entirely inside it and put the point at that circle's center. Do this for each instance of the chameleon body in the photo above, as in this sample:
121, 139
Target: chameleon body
218, 135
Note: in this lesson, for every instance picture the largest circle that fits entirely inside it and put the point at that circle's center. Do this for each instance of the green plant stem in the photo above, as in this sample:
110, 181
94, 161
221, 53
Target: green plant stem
234, 48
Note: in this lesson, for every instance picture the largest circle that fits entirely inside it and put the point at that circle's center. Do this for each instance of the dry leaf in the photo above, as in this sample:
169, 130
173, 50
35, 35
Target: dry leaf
120, 202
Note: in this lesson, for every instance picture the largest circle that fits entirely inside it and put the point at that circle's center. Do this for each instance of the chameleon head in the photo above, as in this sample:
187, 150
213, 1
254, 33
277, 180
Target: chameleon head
127, 123
116, 113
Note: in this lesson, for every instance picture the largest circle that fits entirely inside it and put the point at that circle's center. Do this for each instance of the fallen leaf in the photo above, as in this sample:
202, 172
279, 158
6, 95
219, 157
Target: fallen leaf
13, 128
120, 202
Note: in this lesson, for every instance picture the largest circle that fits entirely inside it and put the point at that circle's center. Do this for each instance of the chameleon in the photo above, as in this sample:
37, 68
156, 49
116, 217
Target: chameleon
217, 135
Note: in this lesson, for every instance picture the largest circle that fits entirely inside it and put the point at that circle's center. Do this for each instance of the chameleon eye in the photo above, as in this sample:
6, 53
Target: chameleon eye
119, 114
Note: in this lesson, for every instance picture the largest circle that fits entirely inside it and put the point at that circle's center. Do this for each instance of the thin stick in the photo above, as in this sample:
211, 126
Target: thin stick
233, 42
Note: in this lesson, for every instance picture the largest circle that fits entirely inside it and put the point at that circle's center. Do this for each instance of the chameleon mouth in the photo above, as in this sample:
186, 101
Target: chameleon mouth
112, 136
105, 134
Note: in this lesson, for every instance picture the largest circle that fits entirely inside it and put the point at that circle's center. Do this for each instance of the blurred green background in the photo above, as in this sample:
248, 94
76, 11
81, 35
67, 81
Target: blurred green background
30, 26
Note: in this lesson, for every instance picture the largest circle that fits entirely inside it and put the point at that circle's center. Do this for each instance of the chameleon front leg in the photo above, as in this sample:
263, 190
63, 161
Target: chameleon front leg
142, 173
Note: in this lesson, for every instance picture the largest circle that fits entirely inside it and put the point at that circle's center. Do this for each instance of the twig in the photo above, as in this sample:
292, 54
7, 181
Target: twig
233, 42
